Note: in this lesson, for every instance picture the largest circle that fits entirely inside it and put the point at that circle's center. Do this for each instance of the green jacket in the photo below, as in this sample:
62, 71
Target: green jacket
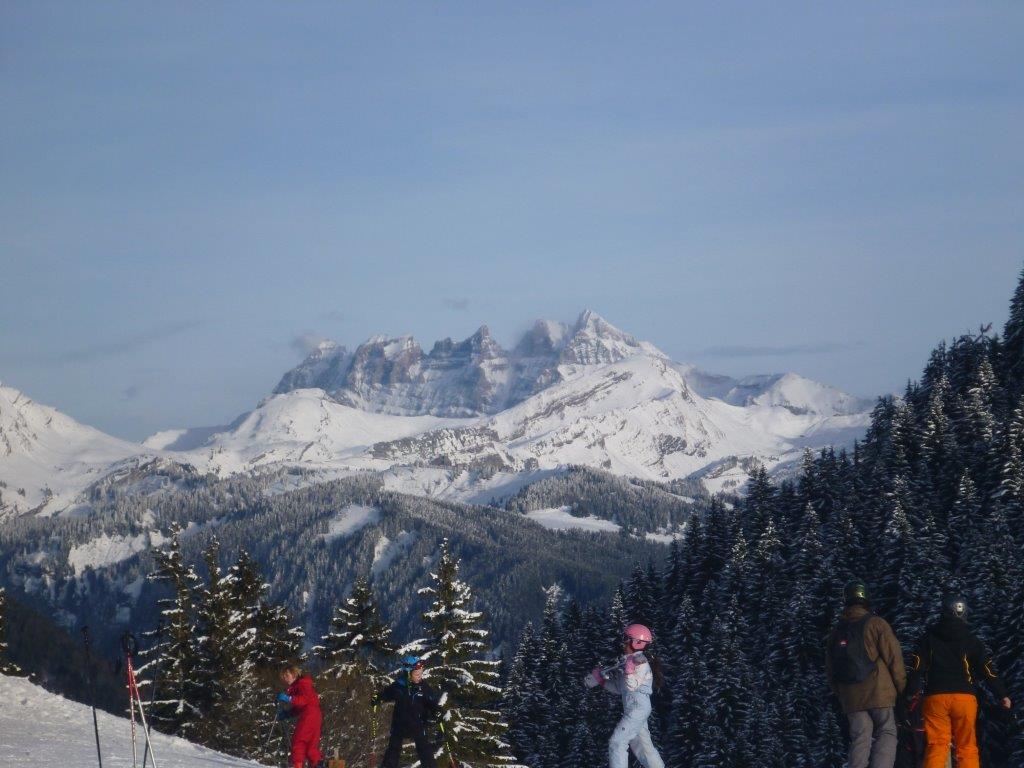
889, 678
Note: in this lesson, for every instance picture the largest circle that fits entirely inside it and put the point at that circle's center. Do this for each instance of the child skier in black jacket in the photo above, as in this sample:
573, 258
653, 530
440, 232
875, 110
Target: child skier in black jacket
415, 702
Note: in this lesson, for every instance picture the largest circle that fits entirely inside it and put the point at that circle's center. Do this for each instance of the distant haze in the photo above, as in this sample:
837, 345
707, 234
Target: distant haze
194, 195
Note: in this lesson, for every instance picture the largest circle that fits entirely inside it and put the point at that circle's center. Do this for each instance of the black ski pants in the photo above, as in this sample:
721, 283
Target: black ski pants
424, 750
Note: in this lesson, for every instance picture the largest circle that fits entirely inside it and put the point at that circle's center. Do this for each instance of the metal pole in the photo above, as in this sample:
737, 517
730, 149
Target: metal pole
142, 713
92, 690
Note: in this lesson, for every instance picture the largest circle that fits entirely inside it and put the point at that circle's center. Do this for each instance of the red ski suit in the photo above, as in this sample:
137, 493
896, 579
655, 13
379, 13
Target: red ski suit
306, 739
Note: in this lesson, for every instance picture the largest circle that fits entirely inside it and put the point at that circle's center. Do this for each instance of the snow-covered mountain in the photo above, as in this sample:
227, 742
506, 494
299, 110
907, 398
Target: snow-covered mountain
48, 458
43, 730
466, 418
459, 379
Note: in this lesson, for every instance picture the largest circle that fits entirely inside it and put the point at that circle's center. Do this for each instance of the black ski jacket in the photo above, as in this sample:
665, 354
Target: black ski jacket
414, 704
950, 659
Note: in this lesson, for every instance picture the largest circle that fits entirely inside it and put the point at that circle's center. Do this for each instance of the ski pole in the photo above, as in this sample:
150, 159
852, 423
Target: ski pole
152, 695
273, 727
447, 746
126, 645
92, 690
373, 736
620, 664
131, 646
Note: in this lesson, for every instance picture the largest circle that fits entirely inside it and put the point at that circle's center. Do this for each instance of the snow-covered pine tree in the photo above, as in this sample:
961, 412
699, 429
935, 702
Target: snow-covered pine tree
171, 662
456, 651
518, 697
1013, 342
7, 667
358, 640
259, 649
225, 649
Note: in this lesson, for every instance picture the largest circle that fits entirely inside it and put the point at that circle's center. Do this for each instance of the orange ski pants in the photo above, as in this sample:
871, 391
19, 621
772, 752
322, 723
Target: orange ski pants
950, 718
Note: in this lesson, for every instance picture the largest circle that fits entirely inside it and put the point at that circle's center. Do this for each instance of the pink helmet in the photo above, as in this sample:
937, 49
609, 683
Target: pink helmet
638, 633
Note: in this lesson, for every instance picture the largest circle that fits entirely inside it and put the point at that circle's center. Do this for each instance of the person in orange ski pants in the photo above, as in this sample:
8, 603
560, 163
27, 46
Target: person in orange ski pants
949, 661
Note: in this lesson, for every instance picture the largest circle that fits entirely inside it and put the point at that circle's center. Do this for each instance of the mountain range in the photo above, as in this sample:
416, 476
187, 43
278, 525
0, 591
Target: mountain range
467, 421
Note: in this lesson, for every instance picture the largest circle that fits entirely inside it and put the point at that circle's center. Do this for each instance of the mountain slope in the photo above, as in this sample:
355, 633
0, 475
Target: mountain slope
47, 458
638, 416
43, 730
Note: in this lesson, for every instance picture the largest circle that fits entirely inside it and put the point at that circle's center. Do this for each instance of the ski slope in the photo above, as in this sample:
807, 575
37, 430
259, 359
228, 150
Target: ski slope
43, 730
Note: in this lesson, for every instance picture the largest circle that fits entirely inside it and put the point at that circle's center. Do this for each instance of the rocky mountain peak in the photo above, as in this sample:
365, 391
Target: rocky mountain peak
595, 341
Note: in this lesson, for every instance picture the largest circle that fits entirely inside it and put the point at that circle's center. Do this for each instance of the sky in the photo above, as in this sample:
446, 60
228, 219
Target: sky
191, 193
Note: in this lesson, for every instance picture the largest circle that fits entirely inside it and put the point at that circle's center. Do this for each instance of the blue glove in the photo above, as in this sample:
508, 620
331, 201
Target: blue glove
284, 698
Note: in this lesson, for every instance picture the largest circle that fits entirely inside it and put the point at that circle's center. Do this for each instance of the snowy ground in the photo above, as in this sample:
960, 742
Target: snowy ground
43, 730
560, 519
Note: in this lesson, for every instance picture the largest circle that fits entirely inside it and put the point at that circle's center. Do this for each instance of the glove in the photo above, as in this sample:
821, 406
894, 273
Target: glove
594, 679
901, 710
630, 666
284, 698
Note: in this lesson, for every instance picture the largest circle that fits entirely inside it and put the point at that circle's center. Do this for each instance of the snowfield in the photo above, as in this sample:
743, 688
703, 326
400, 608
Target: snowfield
39, 729
349, 520
560, 519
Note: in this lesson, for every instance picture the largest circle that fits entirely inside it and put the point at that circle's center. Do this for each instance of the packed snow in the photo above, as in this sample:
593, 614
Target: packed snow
39, 729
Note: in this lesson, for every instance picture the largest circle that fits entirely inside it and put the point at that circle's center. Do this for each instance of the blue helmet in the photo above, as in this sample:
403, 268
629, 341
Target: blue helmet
412, 662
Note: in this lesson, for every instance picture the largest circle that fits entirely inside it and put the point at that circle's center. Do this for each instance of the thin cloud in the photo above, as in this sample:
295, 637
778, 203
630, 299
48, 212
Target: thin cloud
132, 391
305, 342
126, 345
334, 316
784, 350
456, 305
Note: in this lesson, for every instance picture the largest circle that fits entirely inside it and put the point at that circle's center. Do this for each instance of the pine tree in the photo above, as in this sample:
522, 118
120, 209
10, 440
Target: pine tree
456, 652
225, 645
519, 698
1013, 341
172, 663
358, 641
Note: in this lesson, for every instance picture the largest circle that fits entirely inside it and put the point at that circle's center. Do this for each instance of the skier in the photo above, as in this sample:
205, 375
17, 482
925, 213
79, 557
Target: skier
864, 667
301, 701
415, 702
948, 662
634, 678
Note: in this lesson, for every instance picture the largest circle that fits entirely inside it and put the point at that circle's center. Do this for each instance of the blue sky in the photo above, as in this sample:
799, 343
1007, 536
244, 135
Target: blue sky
189, 190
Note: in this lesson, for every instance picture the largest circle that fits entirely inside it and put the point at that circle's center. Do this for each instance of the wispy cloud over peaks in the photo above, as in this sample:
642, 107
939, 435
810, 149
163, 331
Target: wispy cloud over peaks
305, 342
126, 345
782, 350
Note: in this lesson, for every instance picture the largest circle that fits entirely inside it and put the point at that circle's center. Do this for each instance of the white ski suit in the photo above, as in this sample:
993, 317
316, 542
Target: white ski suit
632, 732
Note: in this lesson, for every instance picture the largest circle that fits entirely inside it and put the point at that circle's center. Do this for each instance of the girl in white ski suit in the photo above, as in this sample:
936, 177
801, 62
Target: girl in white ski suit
633, 680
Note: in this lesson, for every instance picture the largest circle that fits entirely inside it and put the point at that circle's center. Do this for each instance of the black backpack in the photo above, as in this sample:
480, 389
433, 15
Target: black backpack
850, 661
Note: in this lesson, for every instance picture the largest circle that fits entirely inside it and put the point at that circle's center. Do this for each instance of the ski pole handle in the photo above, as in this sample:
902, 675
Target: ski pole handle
129, 644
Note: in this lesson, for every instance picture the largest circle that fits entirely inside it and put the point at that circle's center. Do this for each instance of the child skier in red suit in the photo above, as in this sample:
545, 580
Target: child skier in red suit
302, 702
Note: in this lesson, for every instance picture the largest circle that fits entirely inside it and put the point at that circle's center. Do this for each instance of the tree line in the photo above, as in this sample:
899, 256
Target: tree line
930, 501
210, 672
